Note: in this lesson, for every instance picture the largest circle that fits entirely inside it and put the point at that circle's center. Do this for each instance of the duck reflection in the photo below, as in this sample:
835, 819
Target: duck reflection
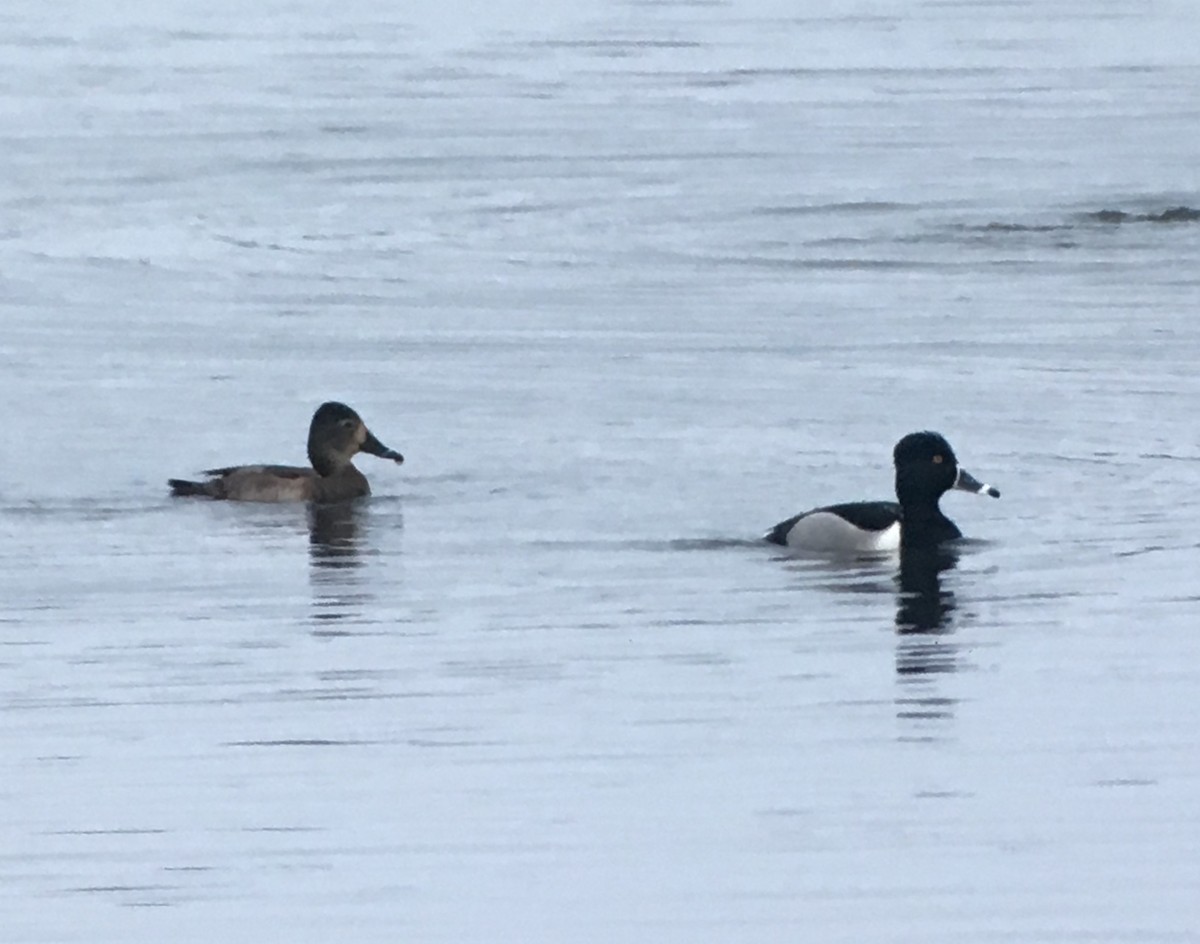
335, 533
922, 605
924, 622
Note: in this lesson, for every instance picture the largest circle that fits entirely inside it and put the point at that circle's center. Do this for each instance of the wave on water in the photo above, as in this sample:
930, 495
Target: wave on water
1067, 230
1176, 214
656, 546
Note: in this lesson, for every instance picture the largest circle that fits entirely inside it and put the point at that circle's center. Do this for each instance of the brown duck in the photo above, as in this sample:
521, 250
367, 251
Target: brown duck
336, 434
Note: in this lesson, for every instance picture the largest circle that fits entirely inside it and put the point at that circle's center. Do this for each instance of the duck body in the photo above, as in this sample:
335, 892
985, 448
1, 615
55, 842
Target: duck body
335, 436
926, 468
852, 527
275, 483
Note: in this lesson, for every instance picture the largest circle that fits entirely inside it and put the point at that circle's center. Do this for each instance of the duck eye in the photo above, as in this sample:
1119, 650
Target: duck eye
937, 460
348, 423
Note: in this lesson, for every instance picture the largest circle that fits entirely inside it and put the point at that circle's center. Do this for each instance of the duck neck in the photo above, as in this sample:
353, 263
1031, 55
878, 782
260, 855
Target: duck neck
326, 463
922, 524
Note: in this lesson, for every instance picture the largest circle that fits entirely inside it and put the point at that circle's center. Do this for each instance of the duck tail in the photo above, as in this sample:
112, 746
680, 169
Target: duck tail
183, 487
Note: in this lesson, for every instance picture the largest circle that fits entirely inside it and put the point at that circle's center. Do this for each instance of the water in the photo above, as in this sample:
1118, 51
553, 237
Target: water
627, 286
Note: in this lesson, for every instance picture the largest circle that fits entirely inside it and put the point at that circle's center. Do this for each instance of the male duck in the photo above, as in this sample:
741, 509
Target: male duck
335, 435
925, 470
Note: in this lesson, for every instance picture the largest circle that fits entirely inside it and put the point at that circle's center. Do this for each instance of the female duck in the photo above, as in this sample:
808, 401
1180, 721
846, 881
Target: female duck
926, 469
335, 435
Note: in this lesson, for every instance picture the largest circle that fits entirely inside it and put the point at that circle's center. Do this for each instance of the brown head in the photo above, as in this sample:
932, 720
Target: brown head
336, 434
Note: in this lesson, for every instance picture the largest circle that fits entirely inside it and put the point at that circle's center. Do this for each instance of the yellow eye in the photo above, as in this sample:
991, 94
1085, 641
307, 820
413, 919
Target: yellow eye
937, 460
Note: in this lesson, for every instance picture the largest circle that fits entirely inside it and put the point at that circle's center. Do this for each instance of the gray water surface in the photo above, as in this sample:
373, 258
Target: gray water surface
627, 285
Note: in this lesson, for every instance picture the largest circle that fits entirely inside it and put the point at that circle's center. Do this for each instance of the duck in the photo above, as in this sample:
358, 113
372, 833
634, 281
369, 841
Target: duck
926, 468
335, 436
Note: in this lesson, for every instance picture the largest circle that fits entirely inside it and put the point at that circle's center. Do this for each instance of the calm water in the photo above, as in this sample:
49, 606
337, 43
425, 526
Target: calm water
627, 286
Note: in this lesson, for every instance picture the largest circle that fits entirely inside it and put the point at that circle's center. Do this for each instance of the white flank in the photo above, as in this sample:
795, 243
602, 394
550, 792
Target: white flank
828, 533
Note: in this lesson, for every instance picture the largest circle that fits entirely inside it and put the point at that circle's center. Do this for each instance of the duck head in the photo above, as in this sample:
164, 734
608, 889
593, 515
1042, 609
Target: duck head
926, 468
337, 434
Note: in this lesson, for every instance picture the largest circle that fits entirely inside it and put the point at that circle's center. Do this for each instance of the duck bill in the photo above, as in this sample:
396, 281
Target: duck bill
968, 483
376, 448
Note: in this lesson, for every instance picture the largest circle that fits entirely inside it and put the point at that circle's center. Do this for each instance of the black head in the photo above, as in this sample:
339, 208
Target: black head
336, 434
926, 468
